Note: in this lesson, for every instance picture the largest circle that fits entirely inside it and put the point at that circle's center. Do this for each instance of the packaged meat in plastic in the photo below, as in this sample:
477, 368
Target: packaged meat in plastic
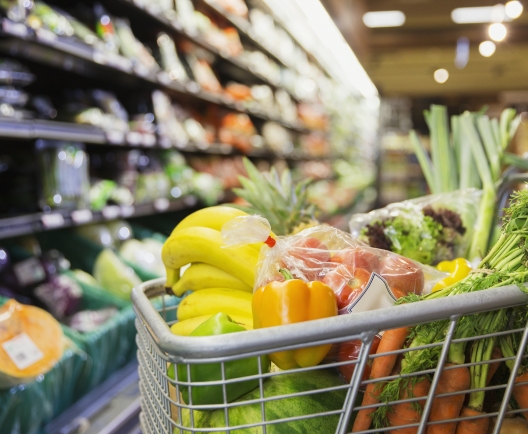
429, 229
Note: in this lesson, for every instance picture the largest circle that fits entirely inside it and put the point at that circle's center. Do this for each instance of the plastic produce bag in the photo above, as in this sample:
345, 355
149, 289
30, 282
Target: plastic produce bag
429, 229
363, 278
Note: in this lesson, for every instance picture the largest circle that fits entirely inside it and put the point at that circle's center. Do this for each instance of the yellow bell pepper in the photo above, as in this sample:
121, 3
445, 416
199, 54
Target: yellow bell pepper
289, 302
458, 269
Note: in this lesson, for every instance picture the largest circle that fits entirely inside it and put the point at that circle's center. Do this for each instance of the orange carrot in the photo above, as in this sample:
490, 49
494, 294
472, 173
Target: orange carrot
405, 412
392, 340
520, 393
497, 354
473, 426
448, 407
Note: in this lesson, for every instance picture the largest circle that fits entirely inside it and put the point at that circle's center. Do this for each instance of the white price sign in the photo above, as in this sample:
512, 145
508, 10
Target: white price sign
161, 204
81, 216
22, 351
127, 211
111, 212
53, 220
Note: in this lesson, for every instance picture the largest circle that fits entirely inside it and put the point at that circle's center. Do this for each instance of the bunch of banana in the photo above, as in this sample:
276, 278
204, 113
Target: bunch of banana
221, 278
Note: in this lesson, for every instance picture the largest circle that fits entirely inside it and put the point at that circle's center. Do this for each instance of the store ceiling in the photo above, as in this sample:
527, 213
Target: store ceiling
401, 60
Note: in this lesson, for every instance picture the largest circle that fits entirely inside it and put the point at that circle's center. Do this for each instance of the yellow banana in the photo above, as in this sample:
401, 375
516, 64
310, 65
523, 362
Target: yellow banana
200, 244
210, 301
201, 275
213, 217
187, 326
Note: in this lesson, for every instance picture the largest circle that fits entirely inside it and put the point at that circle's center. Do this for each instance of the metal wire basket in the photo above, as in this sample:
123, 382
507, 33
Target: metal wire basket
165, 412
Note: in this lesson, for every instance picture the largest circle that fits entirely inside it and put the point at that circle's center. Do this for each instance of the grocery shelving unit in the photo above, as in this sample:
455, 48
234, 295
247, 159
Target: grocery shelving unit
51, 53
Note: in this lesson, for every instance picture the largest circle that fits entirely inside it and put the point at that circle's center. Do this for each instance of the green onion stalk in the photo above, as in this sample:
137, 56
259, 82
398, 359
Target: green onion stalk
481, 351
510, 344
505, 264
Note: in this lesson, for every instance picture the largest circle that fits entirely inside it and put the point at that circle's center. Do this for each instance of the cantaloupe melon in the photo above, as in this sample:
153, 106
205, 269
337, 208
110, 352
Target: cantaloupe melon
41, 328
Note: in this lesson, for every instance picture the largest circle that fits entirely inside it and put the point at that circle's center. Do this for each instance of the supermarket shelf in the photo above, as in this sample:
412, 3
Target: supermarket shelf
111, 408
70, 55
56, 219
174, 26
43, 129
244, 29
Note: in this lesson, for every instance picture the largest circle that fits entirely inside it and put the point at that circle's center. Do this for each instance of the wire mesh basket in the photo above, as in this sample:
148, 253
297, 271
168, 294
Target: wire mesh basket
304, 400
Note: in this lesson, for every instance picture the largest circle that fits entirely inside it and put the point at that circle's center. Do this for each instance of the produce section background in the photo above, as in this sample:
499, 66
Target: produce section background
118, 118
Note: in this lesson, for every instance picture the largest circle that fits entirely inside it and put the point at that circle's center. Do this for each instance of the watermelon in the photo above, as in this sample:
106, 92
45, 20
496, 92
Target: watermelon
281, 408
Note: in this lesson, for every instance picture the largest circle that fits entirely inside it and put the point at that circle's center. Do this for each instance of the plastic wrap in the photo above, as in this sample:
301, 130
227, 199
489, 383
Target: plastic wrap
363, 278
31, 343
64, 168
429, 229
28, 407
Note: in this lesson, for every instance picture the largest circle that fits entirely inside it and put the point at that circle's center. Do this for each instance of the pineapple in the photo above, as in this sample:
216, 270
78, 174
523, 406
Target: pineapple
276, 198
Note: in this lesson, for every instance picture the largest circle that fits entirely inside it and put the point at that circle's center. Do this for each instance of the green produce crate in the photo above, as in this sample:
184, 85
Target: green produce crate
112, 344
26, 408
82, 252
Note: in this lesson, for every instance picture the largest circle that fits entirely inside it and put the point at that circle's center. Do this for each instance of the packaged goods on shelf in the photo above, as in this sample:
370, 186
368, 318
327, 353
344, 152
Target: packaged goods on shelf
133, 49
235, 7
65, 180
170, 61
29, 407
236, 129
185, 13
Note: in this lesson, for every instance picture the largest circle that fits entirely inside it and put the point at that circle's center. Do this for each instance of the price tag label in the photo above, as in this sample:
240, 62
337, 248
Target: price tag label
111, 212
116, 137
17, 29
81, 216
29, 271
22, 351
141, 70
46, 35
161, 204
99, 57
127, 211
53, 220
148, 139
133, 137
190, 200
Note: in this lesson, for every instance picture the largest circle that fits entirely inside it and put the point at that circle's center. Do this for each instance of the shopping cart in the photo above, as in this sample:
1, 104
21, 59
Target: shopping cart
164, 411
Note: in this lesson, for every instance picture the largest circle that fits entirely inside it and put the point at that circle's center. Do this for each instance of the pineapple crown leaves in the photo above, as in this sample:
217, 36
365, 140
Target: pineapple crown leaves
276, 197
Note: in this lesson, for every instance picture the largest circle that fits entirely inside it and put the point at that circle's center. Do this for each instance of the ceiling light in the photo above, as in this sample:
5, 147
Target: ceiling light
384, 19
487, 48
441, 75
485, 14
497, 31
513, 9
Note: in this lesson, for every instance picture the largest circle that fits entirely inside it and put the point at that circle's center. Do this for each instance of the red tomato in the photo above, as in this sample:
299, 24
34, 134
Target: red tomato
402, 273
312, 253
350, 351
358, 257
347, 283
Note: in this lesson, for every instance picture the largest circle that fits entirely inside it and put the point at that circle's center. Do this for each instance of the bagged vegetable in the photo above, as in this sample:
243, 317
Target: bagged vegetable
362, 278
326, 254
429, 229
